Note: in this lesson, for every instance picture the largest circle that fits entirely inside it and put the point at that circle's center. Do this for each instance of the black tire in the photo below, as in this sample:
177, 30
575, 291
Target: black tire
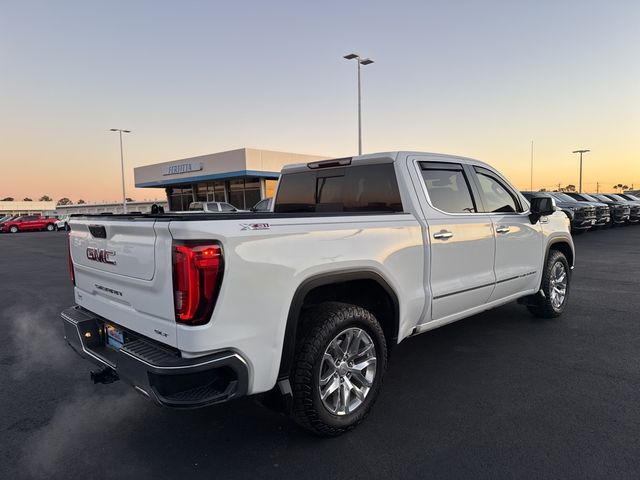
50, 227
546, 308
321, 325
13, 229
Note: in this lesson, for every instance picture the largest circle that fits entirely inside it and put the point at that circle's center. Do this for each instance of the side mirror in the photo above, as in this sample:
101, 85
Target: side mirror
541, 206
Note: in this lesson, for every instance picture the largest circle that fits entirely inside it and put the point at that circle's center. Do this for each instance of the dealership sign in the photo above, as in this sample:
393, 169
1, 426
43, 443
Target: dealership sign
182, 168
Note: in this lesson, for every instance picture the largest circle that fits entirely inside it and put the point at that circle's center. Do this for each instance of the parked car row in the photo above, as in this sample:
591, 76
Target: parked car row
595, 210
30, 223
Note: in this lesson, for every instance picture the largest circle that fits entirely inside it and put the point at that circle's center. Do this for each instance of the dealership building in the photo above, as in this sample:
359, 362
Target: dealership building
241, 177
26, 208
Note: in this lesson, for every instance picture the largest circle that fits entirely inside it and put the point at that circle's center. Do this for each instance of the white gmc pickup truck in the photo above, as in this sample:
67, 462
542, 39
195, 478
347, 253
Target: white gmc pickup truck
304, 304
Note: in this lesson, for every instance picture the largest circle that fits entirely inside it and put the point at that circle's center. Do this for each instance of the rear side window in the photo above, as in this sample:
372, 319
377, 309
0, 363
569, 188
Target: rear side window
448, 187
363, 188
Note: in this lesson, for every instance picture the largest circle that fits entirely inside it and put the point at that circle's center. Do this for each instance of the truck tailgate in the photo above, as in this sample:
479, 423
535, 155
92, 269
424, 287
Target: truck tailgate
123, 273
120, 247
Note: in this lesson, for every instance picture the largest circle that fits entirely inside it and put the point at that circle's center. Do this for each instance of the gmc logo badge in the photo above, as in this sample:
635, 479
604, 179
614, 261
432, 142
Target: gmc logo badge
101, 255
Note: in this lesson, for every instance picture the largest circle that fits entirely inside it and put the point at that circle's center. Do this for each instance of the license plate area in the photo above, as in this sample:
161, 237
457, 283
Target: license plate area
114, 336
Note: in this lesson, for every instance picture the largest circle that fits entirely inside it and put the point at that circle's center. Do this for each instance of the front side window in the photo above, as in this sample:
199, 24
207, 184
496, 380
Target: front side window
497, 198
448, 188
225, 207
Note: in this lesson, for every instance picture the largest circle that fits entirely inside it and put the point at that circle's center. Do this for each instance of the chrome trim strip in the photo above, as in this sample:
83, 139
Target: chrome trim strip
516, 277
182, 367
486, 285
416, 164
464, 291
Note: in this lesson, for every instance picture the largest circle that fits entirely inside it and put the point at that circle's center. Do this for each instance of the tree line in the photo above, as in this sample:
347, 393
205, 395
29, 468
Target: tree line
47, 198
572, 188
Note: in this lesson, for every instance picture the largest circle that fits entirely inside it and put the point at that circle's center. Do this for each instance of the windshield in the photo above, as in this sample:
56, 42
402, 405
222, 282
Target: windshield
589, 198
632, 197
617, 197
564, 197
602, 198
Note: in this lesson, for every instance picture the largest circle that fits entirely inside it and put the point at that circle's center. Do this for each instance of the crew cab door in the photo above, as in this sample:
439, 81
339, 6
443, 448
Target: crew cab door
460, 240
519, 243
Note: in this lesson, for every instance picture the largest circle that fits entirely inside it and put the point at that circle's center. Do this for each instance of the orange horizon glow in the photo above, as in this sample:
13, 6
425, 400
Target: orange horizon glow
470, 81
101, 181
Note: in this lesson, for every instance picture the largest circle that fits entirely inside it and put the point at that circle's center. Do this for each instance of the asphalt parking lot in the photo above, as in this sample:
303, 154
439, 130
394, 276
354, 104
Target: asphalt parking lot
499, 395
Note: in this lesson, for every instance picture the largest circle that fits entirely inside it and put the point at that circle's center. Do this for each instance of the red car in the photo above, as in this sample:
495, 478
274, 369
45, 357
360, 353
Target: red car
29, 223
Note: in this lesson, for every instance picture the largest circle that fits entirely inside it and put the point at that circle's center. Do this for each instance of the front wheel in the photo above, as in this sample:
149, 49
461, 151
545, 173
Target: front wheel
556, 280
50, 227
13, 229
339, 366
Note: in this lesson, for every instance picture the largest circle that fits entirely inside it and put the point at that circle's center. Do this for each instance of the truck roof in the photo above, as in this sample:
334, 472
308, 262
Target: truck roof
388, 157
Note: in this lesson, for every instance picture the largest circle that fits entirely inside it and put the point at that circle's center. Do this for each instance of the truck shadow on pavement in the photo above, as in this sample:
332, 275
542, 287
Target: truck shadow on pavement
434, 372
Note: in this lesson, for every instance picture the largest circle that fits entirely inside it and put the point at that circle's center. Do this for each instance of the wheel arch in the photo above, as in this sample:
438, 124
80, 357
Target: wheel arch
347, 286
564, 246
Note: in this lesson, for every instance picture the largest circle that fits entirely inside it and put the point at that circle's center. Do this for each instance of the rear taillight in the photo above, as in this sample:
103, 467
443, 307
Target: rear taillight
197, 275
71, 272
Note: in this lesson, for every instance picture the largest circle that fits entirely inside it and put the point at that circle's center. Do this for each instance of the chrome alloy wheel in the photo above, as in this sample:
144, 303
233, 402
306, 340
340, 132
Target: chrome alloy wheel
558, 284
347, 371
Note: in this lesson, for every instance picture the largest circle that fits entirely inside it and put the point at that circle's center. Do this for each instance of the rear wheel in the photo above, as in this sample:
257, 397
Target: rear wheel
339, 366
50, 227
13, 229
555, 286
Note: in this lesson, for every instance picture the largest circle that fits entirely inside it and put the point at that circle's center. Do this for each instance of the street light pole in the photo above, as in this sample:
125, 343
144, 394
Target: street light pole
531, 178
360, 61
124, 198
580, 152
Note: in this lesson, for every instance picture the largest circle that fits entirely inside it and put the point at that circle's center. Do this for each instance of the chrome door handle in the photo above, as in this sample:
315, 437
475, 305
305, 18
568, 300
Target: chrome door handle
502, 229
443, 235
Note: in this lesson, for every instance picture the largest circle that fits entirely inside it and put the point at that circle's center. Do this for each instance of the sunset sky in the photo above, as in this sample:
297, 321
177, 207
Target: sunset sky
476, 78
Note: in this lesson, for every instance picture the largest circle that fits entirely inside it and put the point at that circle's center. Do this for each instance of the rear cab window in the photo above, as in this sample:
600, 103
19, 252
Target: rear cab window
359, 188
